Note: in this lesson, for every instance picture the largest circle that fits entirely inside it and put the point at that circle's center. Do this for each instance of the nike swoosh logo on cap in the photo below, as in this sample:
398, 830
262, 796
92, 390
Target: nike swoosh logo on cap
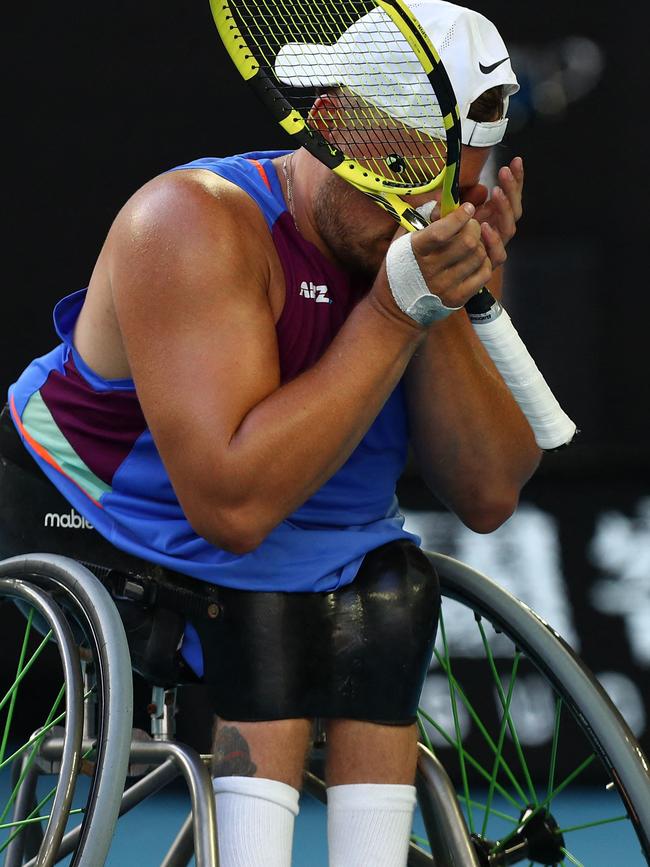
486, 70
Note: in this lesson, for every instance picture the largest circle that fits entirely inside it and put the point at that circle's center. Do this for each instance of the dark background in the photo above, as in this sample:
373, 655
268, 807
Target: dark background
101, 97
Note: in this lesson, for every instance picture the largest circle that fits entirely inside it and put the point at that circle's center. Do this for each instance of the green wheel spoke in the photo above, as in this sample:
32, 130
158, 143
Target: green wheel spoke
454, 710
572, 858
36, 736
472, 761
424, 735
12, 689
502, 735
572, 776
493, 812
34, 815
506, 711
34, 819
567, 780
592, 824
14, 694
486, 735
554, 747
34, 752
39, 734
419, 841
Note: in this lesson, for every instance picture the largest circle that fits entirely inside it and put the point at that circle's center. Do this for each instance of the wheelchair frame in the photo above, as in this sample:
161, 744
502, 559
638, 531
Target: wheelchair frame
55, 586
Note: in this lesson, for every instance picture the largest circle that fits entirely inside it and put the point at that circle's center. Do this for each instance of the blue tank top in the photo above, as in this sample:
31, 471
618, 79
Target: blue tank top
89, 436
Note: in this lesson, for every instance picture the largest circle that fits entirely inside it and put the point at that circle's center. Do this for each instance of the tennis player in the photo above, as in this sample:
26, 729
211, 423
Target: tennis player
232, 399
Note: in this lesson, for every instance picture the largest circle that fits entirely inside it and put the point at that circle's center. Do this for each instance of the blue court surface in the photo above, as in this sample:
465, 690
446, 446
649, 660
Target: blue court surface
144, 835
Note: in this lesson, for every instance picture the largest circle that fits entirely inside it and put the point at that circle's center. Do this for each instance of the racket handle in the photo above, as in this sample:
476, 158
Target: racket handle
551, 426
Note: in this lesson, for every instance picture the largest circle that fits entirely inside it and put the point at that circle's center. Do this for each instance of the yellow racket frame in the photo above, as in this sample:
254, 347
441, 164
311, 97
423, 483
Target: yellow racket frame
356, 174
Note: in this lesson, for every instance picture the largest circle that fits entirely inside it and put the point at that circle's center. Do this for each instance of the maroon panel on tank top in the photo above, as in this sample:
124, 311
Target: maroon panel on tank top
319, 298
101, 426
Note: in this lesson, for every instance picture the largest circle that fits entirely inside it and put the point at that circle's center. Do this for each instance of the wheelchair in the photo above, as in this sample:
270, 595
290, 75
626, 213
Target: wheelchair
89, 730
105, 617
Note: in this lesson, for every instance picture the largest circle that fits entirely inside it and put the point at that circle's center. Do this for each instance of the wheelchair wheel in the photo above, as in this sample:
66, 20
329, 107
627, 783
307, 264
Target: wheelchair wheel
514, 785
67, 767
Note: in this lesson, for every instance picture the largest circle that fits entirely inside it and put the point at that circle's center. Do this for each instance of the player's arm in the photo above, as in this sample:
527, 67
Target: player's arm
474, 448
473, 445
190, 267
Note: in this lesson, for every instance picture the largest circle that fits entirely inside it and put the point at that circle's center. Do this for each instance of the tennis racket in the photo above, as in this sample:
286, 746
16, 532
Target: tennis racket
390, 127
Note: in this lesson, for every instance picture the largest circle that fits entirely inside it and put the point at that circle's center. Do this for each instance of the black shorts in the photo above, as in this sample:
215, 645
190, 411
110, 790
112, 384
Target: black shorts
360, 652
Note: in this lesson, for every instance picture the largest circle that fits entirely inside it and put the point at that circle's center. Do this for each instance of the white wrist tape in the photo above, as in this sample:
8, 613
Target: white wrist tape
427, 209
407, 284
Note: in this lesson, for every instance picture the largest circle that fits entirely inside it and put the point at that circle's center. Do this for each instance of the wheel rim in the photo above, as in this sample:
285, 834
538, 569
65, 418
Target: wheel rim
511, 794
34, 655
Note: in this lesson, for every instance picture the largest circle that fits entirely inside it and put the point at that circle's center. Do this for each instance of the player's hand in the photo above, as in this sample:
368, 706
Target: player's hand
503, 208
453, 256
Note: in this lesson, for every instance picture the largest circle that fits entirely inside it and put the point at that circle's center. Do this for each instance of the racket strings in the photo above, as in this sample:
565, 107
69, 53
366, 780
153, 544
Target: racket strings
385, 146
376, 106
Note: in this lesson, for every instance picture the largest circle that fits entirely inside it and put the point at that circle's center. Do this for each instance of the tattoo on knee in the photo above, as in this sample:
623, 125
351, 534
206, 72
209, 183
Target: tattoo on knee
232, 755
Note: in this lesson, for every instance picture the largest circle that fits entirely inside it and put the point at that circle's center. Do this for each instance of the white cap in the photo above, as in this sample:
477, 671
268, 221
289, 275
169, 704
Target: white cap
375, 61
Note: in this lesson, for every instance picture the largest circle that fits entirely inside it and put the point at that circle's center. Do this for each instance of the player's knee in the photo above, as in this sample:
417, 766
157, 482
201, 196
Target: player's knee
270, 749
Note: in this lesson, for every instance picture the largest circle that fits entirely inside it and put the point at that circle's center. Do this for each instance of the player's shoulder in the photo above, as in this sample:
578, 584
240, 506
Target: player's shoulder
191, 214
192, 196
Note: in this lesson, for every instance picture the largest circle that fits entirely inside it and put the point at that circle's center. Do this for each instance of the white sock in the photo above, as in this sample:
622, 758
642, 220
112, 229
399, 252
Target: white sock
369, 825
255, 819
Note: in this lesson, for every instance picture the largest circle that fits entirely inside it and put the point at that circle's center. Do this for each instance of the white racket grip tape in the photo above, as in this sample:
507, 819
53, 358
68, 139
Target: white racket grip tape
550, 424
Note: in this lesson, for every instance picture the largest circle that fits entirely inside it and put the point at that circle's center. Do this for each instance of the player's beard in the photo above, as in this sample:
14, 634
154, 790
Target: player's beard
350, 240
